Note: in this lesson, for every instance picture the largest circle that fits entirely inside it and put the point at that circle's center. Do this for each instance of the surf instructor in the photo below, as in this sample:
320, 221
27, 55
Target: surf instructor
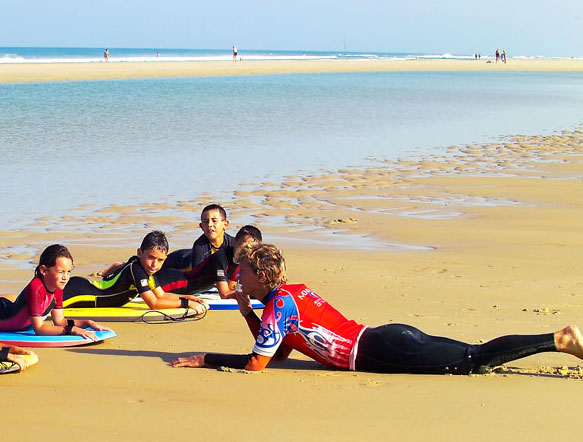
296, 318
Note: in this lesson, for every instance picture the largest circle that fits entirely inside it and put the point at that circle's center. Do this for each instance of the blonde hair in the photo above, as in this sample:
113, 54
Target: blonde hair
266, 260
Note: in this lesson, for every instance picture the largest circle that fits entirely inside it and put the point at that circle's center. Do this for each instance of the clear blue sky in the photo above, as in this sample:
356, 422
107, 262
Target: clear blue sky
522, 27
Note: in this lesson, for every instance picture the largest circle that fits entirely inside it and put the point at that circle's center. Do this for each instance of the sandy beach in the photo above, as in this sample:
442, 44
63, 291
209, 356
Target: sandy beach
100, 71
481, 241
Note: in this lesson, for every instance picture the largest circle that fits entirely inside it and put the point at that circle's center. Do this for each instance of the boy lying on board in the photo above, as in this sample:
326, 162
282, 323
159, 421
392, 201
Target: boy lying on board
142, 275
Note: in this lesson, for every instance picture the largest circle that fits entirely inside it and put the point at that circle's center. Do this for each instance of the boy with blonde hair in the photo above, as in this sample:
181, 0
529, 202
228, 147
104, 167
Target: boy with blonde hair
296, 318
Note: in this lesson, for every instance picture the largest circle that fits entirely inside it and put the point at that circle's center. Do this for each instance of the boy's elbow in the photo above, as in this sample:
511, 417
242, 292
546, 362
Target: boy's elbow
151, 303
257, 363
151, 299
224, 290
253, 367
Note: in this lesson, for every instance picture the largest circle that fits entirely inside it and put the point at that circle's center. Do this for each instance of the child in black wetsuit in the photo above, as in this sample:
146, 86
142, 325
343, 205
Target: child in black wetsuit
213, 222
140, 275
210, 260
219, 269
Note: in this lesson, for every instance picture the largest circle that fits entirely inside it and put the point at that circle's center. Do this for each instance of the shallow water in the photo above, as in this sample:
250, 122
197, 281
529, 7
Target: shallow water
65, 144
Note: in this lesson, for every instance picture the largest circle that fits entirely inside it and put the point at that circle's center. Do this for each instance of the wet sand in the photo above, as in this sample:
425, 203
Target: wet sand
481, 241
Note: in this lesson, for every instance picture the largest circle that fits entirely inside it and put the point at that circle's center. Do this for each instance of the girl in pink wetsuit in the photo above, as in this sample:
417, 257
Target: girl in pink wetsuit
44, 296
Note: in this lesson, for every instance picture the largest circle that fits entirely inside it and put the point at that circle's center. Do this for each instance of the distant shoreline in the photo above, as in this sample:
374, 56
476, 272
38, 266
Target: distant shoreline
16, 73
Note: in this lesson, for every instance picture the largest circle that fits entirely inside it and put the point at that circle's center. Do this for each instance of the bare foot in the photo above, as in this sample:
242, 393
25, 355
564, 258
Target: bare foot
109, 270
569, 340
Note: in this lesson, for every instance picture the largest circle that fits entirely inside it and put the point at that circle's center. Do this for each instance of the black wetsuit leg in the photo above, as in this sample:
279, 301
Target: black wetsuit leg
179, 259
172, 281
80, 293
508, 348
5, 308
398, 348
195, 287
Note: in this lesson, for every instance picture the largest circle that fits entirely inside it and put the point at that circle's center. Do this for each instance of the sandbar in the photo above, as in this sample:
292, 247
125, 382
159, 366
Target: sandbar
33, 72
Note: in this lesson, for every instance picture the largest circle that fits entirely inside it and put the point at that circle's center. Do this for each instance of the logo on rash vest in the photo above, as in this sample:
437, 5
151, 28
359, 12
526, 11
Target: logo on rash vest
315, 298
268, 337
144, 282
326, 343
221, 273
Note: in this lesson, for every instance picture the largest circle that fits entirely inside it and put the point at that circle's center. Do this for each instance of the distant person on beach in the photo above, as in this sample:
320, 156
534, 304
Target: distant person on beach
234, 53
106, 55
44, 296
497, 55
13, 355
296, 318
504, 56
139, 276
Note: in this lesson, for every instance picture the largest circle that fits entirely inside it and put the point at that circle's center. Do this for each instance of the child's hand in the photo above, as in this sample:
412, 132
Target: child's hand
197, 299
230, 296
199, 306
84, 333
244, 303
196, 361
108, 270
95, 326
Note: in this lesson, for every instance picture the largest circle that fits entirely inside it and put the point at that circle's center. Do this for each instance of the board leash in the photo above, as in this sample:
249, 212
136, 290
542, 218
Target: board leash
167, 319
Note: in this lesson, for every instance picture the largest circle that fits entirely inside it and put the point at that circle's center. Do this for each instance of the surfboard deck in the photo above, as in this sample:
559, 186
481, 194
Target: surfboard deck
131, 312
213, 299
11, 367
28, 338
215, 302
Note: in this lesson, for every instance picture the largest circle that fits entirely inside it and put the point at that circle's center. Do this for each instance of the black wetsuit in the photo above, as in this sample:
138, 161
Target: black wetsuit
188, 259
399, 348
127, 282
215, 268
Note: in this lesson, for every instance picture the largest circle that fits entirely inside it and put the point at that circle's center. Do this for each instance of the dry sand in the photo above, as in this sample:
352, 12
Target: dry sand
96, 71
484, 241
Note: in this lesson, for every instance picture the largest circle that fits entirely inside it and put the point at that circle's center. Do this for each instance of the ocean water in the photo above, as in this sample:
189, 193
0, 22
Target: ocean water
124, 55
66, 144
